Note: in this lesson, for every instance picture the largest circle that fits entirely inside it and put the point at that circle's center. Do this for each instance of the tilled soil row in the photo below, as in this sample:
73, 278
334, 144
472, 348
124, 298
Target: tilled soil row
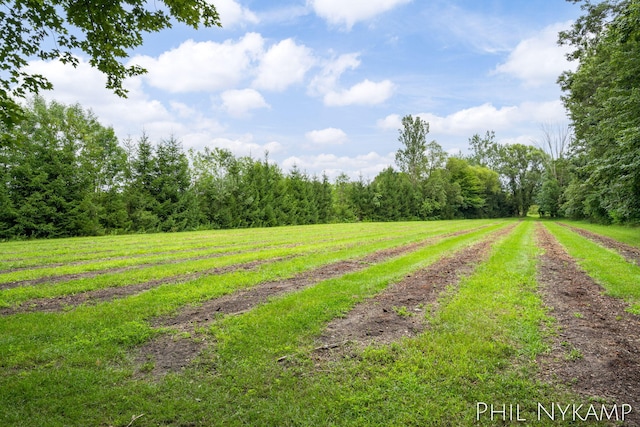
597, 349
107, 294
399, 311
89, 261
89, 274
145, 255
630, 253
171, 353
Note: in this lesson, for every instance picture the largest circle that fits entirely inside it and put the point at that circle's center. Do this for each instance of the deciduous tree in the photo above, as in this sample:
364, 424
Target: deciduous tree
104, 30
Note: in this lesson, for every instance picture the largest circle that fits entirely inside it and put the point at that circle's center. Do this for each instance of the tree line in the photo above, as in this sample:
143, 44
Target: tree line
64, 174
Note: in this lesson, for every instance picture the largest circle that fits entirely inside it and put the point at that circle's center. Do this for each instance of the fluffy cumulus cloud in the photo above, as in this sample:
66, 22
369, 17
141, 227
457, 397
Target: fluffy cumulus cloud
347, 13
211, 66
284, 64
469, 120
363, 93
196, 66
391, 122
538, 60
329, 136
240, 102
240, 146
327, 79
86, 85
368, 165
525, 117
233, 14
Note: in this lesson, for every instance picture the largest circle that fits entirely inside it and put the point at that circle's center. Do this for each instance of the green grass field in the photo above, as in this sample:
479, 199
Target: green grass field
81, 365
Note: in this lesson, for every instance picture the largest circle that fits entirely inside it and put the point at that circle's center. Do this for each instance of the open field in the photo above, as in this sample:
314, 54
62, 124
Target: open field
414, 323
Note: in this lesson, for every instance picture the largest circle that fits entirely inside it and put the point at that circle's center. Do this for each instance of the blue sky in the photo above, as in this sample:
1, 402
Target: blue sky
323, 84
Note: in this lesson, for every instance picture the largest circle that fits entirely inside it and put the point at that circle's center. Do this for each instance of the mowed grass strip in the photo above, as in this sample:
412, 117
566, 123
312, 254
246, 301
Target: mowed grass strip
619, 278
127, 250
18, 295
285, 321
106, 330
75, 367
65, 251
176, 272
103, 266
73, 266
261, 355
23, 254
624, 234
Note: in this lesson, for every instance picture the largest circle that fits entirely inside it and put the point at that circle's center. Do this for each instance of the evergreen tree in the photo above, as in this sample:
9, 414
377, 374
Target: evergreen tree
57, 164
343, 207
362, 199
139, 193
171, 183
324, 198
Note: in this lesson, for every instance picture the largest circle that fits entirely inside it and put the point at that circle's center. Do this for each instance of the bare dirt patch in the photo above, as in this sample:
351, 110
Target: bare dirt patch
400, 310
597, 349
171, 352
630, 253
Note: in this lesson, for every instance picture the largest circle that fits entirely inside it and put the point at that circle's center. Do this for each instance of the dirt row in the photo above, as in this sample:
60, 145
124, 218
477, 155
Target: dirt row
597, 348
630, 253
63, 302
95, 273
400, 310
108, 258
89, 261
172, 353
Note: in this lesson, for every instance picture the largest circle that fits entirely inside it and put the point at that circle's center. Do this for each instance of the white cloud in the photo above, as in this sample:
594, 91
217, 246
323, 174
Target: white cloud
538, 60
391, 122
328, 136
347, 13
284, 64
520, 139
239, 102
196, 66
327, 79
369, 165
481, 118
543, 112
285, 14
363, 93
232, 13
242, 146
86, 85
472, 120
